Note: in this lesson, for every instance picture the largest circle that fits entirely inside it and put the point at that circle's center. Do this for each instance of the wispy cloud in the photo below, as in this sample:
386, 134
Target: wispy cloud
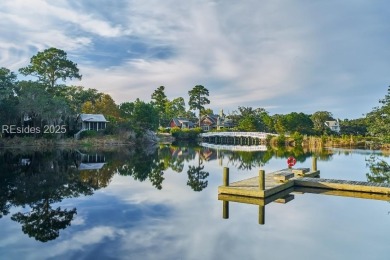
299, 56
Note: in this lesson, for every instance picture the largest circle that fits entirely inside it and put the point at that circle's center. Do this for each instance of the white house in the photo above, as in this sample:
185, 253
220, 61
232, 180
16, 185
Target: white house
333, 125
91, 122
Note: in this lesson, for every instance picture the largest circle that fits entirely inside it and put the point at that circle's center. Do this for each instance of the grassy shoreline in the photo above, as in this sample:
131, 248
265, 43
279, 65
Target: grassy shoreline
68, 142
114, 140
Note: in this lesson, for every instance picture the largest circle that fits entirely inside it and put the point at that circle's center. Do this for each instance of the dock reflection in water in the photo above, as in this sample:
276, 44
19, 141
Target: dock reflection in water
289, 195
283, 185
165, 199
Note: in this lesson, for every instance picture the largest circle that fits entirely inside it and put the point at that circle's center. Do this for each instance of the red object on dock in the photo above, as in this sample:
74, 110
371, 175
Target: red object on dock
291, 161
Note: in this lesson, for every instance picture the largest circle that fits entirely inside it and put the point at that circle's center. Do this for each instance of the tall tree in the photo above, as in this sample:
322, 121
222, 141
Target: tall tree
39, 106
160, 101
293, 122
8, 99
50, 66
76, 96
198, 98
126, 109
248, 123
252, 120
7, 83
379, 119
176, 108
268, 123
207, 111
104, 105
319, 119
354, 126
141, 116
279, 123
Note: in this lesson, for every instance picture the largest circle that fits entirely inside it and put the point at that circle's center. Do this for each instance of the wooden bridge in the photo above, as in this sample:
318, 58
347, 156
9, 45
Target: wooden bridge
245, 148
235, 138
279, 187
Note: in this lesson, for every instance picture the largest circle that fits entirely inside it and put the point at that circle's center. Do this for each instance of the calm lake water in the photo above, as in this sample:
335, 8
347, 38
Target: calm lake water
163, 204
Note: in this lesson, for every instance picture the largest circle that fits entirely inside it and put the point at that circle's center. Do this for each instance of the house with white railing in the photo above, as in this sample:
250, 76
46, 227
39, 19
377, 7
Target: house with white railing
96, 122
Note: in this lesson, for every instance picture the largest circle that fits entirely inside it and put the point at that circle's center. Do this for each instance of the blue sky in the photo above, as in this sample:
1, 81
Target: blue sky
285, 56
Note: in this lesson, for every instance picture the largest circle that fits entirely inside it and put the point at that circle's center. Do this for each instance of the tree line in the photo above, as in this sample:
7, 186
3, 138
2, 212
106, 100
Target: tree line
375, 124
42, 97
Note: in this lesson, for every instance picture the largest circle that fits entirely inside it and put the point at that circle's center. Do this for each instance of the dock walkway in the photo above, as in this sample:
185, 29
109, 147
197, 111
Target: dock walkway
252, 187
280, 187
266, 185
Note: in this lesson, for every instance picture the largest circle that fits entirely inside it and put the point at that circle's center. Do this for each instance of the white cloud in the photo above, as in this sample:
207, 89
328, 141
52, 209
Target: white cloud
206, 54
257, 52
57, 15
80, 240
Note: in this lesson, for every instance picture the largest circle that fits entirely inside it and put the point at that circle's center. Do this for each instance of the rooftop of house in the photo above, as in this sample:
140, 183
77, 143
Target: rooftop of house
179, 121
92, 118
91, 166
332, 123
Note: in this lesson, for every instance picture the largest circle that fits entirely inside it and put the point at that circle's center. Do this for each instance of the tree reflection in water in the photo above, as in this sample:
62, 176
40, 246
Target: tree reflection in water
197, 177
40, 179
35, 180
379, 170
143, 164
43, 223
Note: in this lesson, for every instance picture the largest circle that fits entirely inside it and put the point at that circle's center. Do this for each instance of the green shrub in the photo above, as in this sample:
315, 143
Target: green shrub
164, 129
175, 130
185, 133
88, 133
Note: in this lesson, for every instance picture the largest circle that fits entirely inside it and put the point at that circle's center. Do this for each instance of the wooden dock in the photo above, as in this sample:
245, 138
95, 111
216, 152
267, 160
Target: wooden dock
251, 187
281, 187
266, 185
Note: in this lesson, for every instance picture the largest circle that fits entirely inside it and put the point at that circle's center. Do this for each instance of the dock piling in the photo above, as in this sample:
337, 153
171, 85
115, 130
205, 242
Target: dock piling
225, 209
314, 164
261, 215
261, 179
225, 176
225, 204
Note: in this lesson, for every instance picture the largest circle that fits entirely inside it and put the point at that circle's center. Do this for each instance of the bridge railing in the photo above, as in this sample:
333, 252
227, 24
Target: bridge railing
248, 148
260, 135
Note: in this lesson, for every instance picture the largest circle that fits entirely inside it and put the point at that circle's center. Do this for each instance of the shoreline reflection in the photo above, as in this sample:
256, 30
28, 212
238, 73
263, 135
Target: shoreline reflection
36, 180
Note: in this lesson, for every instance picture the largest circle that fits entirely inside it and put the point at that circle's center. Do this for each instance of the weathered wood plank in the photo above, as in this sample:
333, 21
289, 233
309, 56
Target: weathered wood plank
343, 185
300, 171
273, 185
312, 174
254, 200
283, 176
285, 199
250, 187
342, 193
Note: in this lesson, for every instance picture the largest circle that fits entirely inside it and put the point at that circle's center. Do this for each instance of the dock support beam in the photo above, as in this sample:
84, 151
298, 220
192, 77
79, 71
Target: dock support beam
225, 204
314, 164
261, 215
225, 209
261, 180
225, 176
